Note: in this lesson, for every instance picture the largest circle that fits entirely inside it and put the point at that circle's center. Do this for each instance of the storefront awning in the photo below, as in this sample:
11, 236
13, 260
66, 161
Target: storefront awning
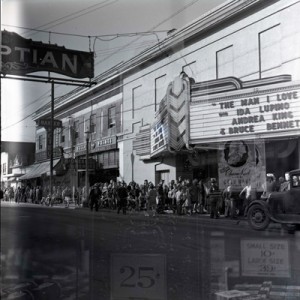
38, 169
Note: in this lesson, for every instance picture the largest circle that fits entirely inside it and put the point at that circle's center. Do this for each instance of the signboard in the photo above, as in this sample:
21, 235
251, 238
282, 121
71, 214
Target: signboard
22, 56
243, 117
170, 131
97, 145
47, 123
242, 162
266, 258
138, 276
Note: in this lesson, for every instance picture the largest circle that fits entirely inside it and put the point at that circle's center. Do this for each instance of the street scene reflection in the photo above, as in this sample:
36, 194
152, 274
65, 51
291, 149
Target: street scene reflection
108, 256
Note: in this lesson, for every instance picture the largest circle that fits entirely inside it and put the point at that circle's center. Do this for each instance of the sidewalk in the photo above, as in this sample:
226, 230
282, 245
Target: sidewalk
24, 204
140, 214
194, 217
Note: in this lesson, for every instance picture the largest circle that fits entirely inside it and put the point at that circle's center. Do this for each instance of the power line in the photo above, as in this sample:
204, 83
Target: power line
151, 29
52, 23
121, 48
92, 36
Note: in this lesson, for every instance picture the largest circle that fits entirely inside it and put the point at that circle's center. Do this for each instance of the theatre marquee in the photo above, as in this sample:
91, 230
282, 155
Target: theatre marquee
246, 114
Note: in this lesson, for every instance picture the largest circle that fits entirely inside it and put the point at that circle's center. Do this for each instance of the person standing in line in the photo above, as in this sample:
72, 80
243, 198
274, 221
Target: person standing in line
94, 197
247, 194
161, 200
152, 195
201, 198
214, 198
186, 201
179, 199
122, 195
194, 192
284, 183
142, 198
228, 199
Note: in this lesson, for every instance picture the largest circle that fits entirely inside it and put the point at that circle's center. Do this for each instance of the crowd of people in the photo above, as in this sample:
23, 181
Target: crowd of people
183, 197
41, 195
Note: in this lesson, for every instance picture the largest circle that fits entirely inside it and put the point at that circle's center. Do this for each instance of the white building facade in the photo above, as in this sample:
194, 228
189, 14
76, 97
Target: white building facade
252, 41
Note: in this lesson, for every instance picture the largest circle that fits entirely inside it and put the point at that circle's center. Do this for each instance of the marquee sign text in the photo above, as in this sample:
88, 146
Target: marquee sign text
276, 112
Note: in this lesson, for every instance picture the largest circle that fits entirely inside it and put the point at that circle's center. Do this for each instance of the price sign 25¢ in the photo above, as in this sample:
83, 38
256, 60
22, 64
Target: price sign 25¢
138, 276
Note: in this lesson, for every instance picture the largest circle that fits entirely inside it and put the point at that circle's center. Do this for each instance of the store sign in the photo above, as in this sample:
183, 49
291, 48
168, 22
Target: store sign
47, 123
22, 56
265, 258
262, 114
243, 163
98, 145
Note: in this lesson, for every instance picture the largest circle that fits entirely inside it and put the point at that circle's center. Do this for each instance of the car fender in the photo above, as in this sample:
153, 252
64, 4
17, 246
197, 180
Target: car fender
265, 205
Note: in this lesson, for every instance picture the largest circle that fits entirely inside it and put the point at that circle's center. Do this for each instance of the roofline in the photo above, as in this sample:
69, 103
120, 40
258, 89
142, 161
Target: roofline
207, 21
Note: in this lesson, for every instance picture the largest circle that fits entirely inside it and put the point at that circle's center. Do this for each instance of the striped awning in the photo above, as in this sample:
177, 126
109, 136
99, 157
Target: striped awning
37, 169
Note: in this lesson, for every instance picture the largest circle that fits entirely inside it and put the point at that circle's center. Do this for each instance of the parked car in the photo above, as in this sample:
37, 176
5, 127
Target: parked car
278, 207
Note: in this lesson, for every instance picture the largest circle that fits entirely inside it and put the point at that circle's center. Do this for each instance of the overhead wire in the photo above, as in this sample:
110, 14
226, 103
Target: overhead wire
65, 18
90, 36
154, 27
151, 31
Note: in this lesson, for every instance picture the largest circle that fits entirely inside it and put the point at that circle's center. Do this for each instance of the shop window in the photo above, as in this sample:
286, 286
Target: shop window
4, 169
101, 123
105, 159
136, 99
224, 62
112, 117
76, 129
40, 142
269, 50
93, 123
160, 90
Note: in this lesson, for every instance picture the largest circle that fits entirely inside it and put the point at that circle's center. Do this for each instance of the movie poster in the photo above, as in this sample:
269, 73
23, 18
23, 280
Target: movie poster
242, 162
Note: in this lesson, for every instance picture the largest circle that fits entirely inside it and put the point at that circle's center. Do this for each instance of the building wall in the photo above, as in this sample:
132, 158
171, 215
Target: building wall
260, 45
15, 156
76, 120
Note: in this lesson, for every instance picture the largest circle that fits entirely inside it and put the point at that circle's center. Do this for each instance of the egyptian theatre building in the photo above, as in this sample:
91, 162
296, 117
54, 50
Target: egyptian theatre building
218, 98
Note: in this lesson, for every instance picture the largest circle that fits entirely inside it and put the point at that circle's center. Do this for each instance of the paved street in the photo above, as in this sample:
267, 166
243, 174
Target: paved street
78, 254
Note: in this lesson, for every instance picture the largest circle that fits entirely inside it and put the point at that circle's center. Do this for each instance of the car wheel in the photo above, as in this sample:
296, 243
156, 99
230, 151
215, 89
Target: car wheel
258, 218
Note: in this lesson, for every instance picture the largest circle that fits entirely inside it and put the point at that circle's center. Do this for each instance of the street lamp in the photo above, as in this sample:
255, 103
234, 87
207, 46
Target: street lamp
87, 139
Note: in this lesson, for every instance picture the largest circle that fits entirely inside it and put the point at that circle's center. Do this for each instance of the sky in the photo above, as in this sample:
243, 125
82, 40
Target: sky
118, 30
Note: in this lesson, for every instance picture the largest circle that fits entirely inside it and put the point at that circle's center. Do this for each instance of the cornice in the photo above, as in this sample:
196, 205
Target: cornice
210, 20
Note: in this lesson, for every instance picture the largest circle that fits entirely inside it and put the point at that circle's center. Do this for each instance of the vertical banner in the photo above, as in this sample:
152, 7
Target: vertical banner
171, 128
242, 162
